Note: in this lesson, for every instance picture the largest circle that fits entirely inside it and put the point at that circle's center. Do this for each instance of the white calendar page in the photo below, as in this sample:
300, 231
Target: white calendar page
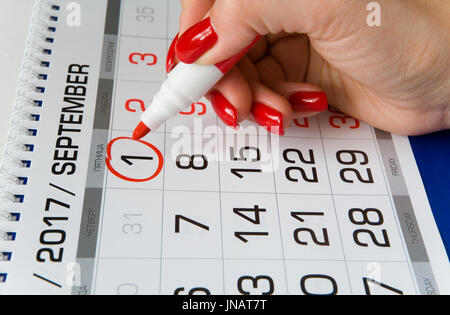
333, 207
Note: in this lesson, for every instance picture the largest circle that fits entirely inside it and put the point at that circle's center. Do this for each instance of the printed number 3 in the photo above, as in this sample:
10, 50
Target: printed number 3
138, 58
343, 120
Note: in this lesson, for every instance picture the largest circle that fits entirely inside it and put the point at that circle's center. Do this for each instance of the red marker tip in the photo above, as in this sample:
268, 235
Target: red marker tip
141, 131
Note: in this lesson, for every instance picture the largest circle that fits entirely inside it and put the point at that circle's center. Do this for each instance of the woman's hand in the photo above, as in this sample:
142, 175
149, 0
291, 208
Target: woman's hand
395, 77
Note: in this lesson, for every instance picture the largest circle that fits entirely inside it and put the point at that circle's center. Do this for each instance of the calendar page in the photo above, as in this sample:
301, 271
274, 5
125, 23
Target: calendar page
333, 207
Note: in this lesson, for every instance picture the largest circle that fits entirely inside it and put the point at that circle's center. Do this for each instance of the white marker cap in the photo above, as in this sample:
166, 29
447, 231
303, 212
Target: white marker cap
186, 84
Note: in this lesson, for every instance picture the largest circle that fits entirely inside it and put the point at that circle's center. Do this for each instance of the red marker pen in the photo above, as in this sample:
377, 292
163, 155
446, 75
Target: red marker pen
185, 84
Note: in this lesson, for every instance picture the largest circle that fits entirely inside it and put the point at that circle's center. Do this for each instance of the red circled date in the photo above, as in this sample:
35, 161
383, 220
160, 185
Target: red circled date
108, 160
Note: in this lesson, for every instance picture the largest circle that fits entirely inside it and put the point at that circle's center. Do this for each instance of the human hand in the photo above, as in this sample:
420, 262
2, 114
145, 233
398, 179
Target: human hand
395, 77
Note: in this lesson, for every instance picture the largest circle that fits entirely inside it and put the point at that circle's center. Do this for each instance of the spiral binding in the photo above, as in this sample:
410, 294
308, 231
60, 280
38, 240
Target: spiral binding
37, 56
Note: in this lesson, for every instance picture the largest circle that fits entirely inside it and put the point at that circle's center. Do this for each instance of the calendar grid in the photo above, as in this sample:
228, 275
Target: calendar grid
279, 222
245, 192
163, 196
221, 226
117, 13
159, 261
158, 258
196, 207
221, 221
335, 213
224, 134
89, 236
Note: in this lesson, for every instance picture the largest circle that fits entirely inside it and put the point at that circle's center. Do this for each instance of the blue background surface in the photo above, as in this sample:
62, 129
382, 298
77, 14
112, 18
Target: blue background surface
432, 153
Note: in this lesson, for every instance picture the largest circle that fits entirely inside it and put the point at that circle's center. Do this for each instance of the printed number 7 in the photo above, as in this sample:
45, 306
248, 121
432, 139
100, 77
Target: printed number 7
178, 218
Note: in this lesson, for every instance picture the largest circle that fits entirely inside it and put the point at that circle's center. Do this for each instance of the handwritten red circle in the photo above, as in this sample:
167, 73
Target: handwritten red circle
116, 173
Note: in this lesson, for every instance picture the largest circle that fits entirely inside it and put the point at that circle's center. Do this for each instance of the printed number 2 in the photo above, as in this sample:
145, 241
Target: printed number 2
139, 104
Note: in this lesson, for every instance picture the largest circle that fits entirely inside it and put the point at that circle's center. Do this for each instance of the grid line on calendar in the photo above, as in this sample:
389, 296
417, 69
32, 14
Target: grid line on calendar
113, 99
139, 81
221, 222
158, 258
248, 192
279, 224
162, 202
335, 213
259, 135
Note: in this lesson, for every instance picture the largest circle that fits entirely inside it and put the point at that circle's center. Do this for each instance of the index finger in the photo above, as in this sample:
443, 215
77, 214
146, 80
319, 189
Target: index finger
193, 11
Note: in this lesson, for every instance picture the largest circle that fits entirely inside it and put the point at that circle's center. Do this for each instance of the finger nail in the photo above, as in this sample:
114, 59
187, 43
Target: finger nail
170, 61
196, 41
268, 117
309, 101
224, 109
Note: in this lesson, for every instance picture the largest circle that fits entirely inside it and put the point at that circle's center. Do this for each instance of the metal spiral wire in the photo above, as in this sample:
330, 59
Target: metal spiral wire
31, 86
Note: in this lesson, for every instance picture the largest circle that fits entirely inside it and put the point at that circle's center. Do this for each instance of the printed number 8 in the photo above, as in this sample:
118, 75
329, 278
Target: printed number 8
191, 164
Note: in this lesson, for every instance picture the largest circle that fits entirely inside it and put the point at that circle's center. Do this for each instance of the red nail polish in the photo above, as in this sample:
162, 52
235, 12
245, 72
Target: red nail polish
268, 117
196, 41
224, 109
309, 101
170, 61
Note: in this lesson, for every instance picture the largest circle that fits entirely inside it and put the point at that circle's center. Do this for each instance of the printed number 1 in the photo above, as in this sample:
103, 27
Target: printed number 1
128, 159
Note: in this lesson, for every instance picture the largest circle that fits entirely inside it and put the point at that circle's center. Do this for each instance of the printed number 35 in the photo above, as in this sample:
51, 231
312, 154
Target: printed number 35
145, 14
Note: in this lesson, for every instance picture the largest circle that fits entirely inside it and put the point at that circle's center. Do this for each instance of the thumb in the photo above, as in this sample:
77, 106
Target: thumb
231, 25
